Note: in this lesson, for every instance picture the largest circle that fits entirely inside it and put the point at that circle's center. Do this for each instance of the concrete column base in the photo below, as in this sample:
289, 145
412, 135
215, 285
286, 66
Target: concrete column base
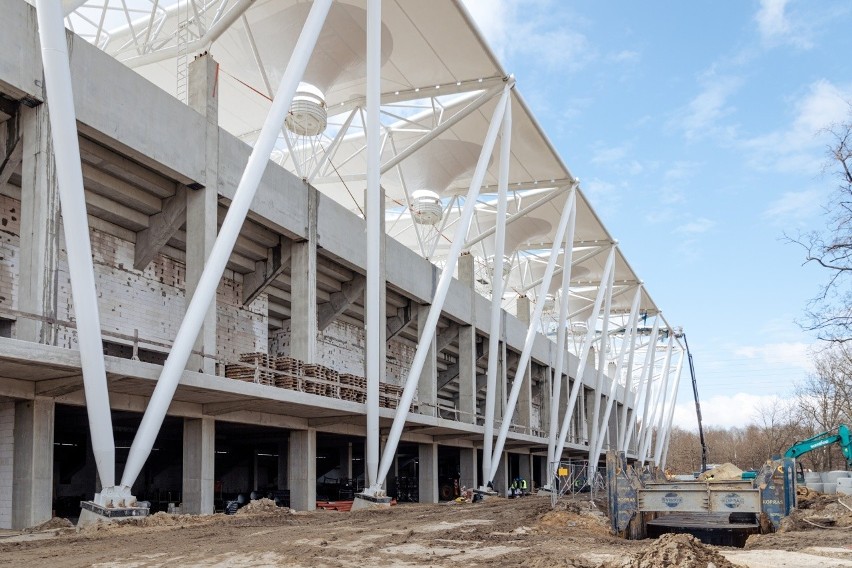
302, 469
32, 464
363, 501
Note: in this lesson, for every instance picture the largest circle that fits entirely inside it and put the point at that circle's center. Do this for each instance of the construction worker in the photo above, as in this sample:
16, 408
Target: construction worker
522, 486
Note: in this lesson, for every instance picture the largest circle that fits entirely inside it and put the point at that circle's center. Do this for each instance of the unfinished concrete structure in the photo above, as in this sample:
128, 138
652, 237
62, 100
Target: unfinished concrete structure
355, 330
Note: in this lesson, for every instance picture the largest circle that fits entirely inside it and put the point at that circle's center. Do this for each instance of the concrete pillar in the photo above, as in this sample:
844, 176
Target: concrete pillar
199, 456
467, 348
302, 470
32, 477
40, 228
282, 466
202, 206
7, 452
427, 472
501, 477
525, 400
545, 389
303, 279
427, 387
467, 374
587, 414
523, 309
468, 467
525, 468
346, 460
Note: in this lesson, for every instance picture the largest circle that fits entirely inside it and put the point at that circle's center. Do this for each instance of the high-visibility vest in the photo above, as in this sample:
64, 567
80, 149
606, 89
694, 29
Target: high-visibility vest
523, 483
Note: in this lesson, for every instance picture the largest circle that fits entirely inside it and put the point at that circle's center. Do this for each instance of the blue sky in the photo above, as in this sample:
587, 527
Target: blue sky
694, 127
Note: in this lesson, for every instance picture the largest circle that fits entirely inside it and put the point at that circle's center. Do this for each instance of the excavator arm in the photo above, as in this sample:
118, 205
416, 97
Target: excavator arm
842, 438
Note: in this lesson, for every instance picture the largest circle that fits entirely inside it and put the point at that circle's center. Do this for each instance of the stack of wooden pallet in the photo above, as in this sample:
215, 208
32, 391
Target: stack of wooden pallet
389, 395
353, 388
289, 374
321, 380
252, 368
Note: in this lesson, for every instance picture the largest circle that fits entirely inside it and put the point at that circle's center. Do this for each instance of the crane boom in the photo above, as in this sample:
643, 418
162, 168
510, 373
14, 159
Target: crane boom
697, 405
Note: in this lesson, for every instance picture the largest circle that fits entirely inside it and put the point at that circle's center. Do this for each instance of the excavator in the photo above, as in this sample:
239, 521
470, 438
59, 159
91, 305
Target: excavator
842, 437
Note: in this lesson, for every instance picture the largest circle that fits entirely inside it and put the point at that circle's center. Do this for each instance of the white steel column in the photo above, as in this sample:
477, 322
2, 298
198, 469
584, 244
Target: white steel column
521, 370
659, 399
496, 297
230, 230
666, 419
643, 389
561, 347
593, 438
583, 356
628, 346
57, 75
442, 288
375, 231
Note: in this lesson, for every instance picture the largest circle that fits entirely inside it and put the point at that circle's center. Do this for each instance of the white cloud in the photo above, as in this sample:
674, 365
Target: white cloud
777, 27
703, 114
549, 37
625, 56
723, 411
696, 226
794, 207
798, 148
609, 155
788, 354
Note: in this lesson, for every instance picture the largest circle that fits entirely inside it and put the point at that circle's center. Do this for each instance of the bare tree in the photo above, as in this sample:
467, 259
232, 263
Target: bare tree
829, 314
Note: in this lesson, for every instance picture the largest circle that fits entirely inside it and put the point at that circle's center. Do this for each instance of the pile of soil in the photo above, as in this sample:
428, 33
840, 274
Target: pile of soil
52, 524
816, 511
263, 507
681, 550
575, 515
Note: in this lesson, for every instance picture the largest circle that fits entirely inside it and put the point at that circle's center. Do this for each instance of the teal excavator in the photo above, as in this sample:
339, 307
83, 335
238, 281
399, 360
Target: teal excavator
842, 438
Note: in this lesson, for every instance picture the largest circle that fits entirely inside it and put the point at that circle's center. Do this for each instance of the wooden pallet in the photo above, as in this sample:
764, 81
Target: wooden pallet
255, 358
353, 380
289, 365
287, 382
352, 394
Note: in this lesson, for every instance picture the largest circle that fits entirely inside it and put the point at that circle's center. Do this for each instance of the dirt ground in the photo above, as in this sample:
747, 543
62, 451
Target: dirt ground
497, 532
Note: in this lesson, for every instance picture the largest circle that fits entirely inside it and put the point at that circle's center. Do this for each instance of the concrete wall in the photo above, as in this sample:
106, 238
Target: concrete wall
7, 449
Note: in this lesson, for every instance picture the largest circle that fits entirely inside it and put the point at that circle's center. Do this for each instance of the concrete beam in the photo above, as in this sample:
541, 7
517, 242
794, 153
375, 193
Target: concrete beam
217, 408
396, 324
447, 336
59, 387
266, 271
339, 301
162, 227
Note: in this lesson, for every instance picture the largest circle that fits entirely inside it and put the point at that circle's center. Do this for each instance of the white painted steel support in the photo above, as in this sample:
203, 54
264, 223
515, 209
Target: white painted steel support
628, 347
496, 294
593, 438
449, 123
521, 371
650, 420
583, 356
561, 347
442, 288
375, 232
663, 432
643, 389
628, 399
215, 31
511, 219
228, 233
69, 173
